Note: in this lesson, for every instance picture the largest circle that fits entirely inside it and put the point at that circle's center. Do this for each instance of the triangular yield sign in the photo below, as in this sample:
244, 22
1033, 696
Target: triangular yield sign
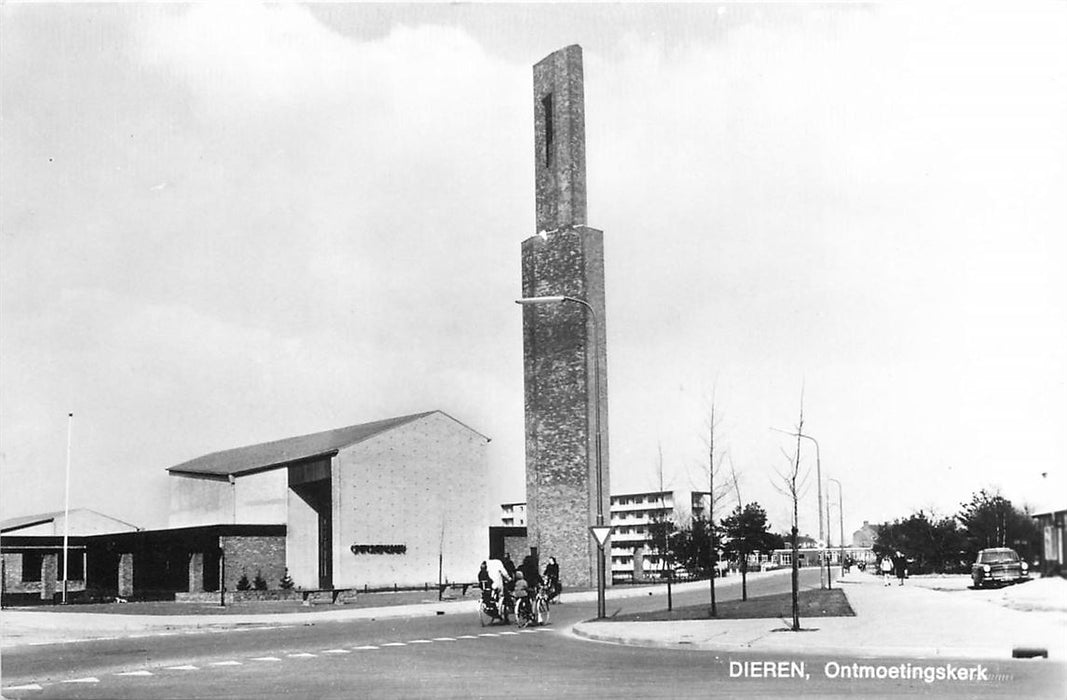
600, 532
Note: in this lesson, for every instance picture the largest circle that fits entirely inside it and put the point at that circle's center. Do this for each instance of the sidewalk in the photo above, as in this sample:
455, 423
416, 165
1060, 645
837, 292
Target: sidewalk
910, 620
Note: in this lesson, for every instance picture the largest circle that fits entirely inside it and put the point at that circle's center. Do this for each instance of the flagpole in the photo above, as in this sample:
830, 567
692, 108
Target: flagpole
66, 509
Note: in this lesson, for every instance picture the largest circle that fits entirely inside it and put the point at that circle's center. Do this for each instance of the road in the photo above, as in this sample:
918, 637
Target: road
452, 656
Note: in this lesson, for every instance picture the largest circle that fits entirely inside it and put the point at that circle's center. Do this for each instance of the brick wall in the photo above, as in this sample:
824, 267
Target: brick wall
13, 574
559, 146
560, 402
248, 555
559, 340
49, 574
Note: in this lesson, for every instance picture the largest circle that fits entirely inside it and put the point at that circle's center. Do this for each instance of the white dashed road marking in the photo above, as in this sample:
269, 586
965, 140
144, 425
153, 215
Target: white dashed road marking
298, 655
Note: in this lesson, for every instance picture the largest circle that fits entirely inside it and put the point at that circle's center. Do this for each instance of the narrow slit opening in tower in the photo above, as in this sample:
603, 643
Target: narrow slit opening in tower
546, 102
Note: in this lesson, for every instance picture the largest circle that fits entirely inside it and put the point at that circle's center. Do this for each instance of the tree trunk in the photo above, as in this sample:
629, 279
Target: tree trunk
796, 582
744, 582
670, 603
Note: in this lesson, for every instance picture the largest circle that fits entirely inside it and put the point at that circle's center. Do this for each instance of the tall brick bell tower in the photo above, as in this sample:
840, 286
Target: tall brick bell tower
564, 258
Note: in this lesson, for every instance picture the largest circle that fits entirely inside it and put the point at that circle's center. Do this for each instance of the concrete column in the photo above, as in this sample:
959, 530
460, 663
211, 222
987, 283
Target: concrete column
49, 569
196, 572
126, 575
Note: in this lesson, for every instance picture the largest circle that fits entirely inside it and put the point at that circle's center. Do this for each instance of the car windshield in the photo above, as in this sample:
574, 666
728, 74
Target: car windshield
998, 557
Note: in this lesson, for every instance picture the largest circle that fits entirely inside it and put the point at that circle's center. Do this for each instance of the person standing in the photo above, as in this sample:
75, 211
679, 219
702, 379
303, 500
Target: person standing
529, 571
887, 569
900, 565
552, 577
509, 565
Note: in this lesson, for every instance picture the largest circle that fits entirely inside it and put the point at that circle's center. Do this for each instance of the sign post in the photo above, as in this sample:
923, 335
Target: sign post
601, 533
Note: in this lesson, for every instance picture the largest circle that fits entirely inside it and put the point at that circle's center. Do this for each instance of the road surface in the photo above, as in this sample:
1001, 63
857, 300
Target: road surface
453, 656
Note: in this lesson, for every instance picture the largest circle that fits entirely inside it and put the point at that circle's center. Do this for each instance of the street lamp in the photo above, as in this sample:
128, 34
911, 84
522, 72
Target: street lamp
823, 579
841, 519
532, 301
66, 511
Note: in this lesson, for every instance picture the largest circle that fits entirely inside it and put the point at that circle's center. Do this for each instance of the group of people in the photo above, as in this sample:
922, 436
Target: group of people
501, 580
898, 564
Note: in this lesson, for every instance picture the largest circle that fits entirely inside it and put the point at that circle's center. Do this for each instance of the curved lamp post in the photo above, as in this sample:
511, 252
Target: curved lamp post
532, 301
823, 576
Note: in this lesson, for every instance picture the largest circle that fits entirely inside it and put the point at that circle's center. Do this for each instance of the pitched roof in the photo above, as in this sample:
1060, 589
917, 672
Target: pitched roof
266, 455
24, 521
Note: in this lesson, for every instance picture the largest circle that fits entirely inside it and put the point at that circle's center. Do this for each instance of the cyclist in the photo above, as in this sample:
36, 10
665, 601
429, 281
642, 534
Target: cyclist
485, 582
499, 575
521, 593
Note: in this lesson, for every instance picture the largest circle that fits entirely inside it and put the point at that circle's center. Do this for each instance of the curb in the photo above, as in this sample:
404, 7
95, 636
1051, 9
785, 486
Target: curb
583, 630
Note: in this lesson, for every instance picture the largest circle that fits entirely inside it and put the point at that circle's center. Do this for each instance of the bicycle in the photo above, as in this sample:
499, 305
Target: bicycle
532, 610
524, 612
553, 590
492, 607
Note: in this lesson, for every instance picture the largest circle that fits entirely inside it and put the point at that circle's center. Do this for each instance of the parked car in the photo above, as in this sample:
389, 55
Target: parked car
998, 565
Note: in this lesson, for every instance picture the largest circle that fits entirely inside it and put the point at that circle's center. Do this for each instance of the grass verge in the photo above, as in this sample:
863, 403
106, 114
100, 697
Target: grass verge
813, 603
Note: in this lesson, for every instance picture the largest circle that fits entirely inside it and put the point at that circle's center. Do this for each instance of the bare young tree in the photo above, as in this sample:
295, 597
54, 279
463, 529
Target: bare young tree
661, 530
717, 490
790, 483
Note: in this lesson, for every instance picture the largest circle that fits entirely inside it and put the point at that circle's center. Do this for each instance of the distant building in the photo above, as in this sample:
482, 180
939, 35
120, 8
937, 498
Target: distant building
630, 515
513, 514
632, 552
865, 536
1051, 524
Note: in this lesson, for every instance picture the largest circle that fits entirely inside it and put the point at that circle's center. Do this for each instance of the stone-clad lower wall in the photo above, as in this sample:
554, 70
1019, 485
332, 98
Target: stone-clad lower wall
48, 582
560, 401
249, 555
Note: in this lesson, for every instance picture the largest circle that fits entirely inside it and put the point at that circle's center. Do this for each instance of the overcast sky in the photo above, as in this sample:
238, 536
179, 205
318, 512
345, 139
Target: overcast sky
227, 224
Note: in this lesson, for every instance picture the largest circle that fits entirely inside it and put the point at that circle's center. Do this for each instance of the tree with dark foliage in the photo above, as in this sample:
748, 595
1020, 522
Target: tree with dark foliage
931, 545
990, 520
746, 533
